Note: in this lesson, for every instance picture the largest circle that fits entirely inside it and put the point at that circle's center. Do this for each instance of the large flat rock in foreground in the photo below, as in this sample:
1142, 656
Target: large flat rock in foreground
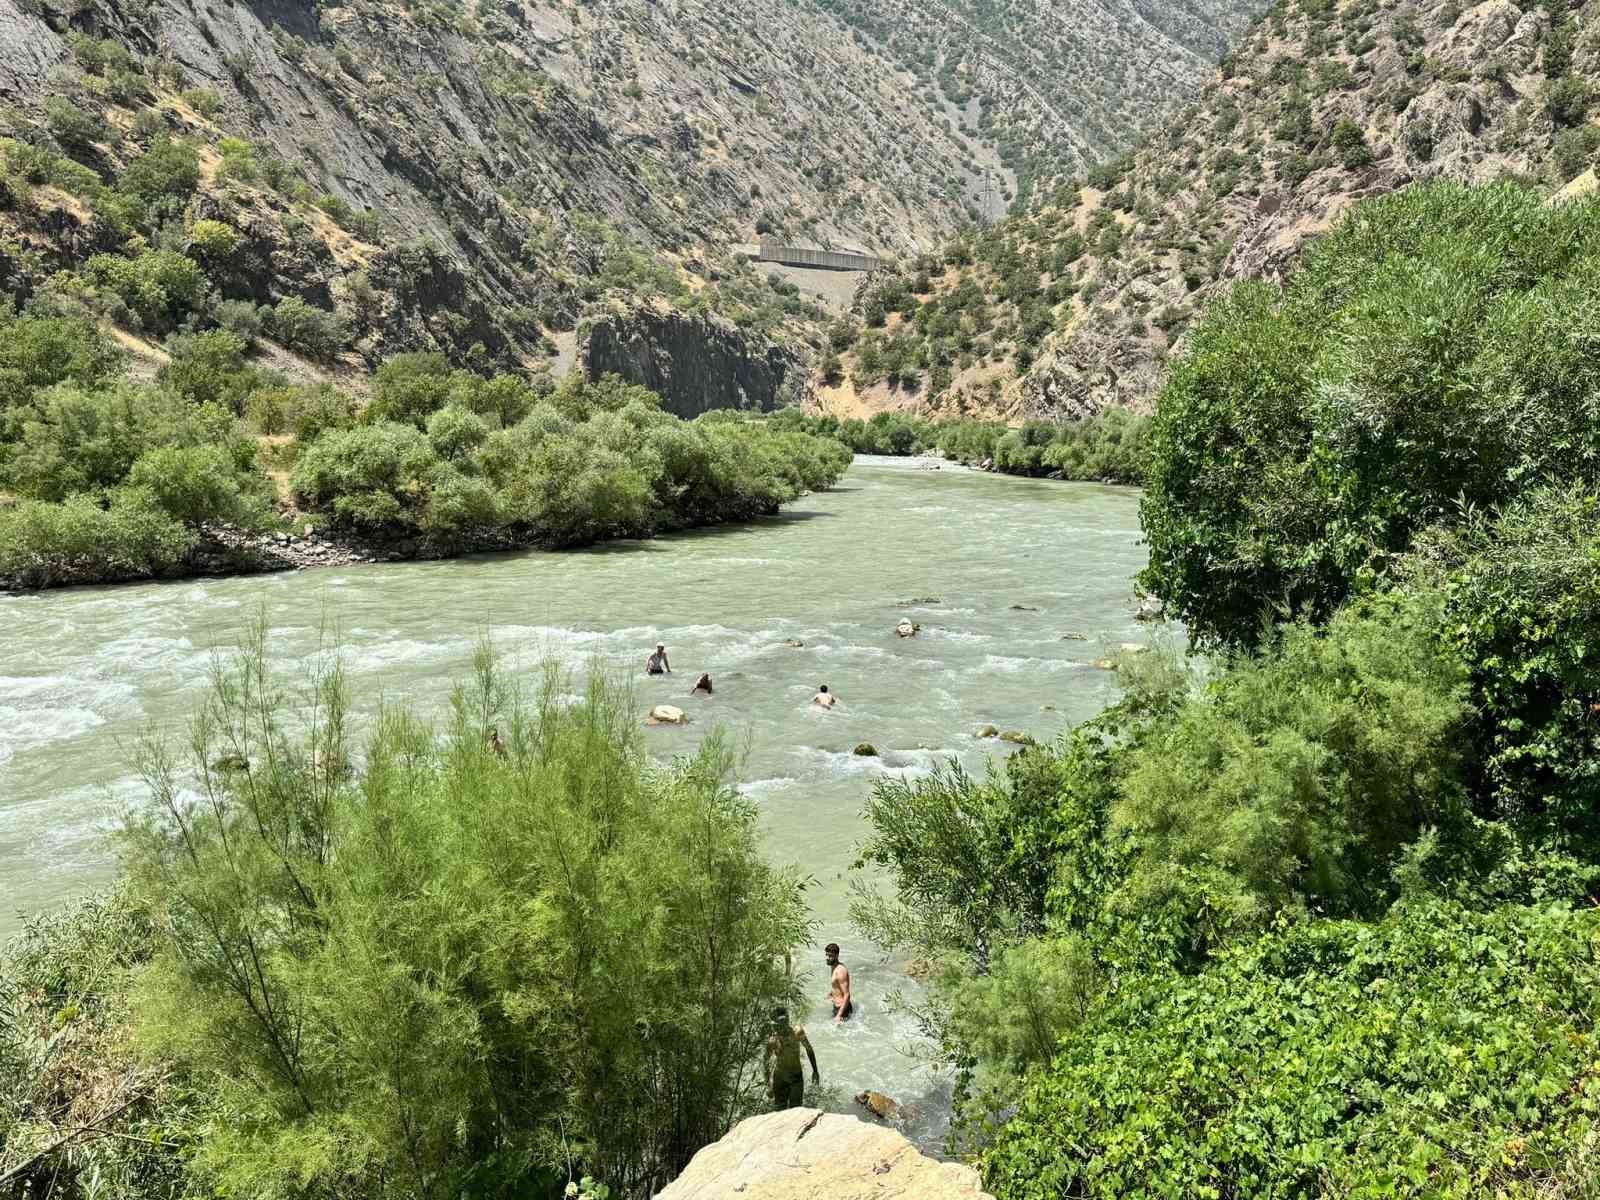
801, 1153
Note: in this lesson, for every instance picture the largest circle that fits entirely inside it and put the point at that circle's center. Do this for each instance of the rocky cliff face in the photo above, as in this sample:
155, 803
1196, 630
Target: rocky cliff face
469, 176
1077, 304
803, 1154
694, 363
1324, 105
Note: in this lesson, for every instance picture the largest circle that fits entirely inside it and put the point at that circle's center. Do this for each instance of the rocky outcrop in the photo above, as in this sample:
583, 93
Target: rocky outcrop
801, 1154
695, 363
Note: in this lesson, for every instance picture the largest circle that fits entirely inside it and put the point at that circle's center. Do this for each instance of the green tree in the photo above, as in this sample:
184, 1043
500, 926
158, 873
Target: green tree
465, 969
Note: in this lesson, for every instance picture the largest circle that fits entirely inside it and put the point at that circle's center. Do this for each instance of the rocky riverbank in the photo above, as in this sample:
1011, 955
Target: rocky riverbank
799, 1153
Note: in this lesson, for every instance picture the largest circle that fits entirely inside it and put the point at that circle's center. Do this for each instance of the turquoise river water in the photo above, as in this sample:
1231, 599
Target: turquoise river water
996, 570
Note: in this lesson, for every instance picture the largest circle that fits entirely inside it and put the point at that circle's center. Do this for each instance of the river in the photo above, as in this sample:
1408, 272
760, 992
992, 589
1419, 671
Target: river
995, 569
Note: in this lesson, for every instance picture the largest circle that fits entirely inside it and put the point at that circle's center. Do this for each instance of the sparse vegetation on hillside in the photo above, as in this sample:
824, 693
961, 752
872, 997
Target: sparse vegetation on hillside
1076, 304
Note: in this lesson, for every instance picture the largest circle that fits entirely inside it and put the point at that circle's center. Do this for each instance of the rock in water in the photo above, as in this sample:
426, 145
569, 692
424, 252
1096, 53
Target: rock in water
793, 643
879, 1105
987, 731
801, 1153
906, 628
666, 714
865, 750
1017, 737
1104, 664
1149, 609
1074, 637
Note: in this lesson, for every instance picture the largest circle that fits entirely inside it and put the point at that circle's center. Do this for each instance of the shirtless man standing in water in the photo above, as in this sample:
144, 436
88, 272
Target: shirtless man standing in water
824, 698
838, 984
786, 1080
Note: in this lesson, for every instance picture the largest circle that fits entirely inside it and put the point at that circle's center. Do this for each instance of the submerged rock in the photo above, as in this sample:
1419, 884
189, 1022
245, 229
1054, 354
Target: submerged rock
1074, 637
793, 643
1017, 738
1104, 664
865, 750
1023, 608
667, 714
906, 628
881, 1106
802, 1153
987, 731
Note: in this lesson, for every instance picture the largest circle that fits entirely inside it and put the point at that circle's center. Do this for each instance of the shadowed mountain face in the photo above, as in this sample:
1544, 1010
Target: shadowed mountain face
453, 176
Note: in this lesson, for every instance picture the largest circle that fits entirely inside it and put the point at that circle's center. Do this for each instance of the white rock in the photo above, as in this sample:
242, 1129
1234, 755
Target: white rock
666, 714
801, 1154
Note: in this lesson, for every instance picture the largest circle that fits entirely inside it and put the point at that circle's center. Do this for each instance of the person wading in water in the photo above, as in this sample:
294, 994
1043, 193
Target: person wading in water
824, 698
786, 1081
703, 684
838, 984
657, 663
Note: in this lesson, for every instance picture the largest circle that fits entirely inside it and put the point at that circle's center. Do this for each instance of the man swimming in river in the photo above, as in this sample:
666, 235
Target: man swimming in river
838, 984
657, 663
786, 1081
824, 697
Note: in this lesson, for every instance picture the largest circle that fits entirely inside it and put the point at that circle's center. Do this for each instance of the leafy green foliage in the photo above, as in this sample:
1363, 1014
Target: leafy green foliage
37, 351
317, 333
467, 970
1440, 1052
1295, 780
1108, 446
130, 537
1433, 349
160, 287
209, 368
1523, 606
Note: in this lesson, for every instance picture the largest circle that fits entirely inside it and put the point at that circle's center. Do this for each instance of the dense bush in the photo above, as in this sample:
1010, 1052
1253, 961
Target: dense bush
314, 332
1523, 606
464, 972
161, 287
1434, 352
589, 461
38, 350
42, 542
1440, 1052
210, 368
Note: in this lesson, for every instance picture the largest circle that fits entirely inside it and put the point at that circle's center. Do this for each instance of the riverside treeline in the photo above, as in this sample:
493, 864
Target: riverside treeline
1316, 920
114, 479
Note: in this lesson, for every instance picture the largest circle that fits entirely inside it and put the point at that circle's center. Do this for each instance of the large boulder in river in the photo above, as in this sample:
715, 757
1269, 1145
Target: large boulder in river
666, 714
865, 750
801, 1154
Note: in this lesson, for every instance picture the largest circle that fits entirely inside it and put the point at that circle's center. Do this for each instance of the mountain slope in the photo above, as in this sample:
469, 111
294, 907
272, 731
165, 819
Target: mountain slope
1060, 84
1075, 305
453, 176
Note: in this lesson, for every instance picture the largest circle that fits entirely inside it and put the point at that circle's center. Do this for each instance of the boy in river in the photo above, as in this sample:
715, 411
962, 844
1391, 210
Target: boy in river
786, 1080
824, 698
657, 663
838, 984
